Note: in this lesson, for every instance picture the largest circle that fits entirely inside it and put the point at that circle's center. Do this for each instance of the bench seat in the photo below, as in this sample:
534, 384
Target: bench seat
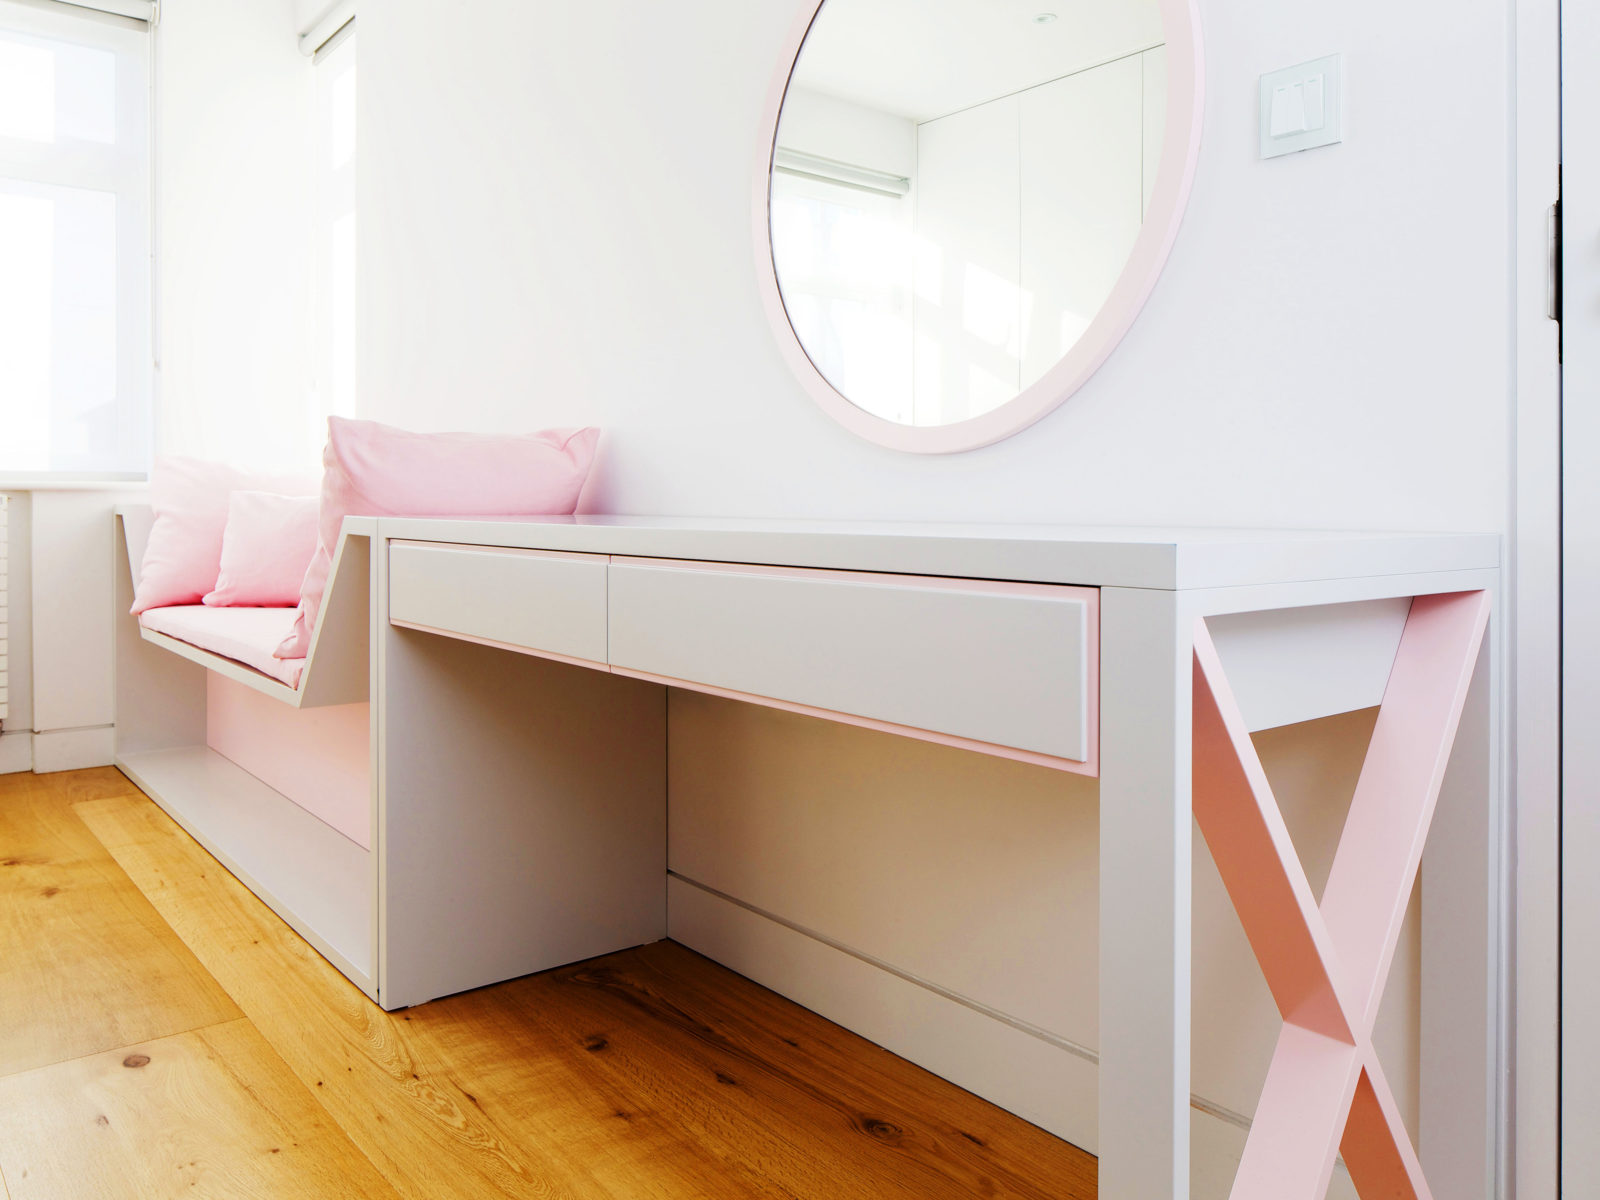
246, 635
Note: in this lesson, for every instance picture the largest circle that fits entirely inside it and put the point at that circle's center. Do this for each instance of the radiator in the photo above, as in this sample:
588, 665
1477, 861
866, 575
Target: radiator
5, 502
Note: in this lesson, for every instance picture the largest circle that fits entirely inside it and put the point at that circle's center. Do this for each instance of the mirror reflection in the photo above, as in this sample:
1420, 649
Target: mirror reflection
956, 188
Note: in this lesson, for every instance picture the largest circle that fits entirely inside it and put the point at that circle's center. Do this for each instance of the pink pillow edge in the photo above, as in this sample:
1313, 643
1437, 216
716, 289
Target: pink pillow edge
334, 457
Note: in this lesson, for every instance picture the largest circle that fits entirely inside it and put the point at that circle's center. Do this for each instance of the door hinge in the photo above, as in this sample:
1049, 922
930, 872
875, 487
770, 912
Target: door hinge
1553, 290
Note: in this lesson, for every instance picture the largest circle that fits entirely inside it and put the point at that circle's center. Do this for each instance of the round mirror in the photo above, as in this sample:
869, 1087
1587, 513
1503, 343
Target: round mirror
962, 204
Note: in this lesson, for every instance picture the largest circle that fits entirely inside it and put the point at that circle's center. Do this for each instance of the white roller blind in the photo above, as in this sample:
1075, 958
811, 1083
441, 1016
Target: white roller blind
321, 22
137, 10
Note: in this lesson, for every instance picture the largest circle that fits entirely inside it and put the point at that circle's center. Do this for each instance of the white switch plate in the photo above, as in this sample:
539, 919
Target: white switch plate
1302, 107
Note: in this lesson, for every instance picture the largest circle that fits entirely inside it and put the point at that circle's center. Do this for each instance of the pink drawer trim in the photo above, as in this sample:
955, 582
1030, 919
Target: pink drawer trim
508, 551
1001, 587
922, 735
530, 651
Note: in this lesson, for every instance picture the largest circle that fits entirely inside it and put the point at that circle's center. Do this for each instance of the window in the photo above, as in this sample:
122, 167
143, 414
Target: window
75, 361
335, 233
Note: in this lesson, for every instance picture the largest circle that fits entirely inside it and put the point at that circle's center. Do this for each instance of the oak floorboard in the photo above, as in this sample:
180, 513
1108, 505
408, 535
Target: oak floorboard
650, 1073
421, 1129
93, 783
86, 962
667, 1041
210, 1113
36, 816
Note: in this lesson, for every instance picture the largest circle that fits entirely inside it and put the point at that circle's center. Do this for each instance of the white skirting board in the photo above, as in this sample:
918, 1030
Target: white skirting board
1050, 1086
312, 876
74, 749
16, 751
1045, 1083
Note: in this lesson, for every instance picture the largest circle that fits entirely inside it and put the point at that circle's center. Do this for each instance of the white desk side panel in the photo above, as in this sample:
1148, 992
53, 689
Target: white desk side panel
522, 815
1146, 641
337, 667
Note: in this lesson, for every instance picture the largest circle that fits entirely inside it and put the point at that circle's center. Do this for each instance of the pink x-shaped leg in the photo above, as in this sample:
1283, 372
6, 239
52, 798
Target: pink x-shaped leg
1327, 964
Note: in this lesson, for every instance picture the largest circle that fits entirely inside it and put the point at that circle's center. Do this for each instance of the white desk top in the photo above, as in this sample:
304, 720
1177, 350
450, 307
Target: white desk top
1165, 558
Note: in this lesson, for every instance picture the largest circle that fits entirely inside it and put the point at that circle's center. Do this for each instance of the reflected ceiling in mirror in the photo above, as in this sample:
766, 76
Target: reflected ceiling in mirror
955, 194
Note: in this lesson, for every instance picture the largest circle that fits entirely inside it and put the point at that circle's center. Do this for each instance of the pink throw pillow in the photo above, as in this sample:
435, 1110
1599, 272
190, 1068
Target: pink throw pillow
184, 552
267, 546
377, 470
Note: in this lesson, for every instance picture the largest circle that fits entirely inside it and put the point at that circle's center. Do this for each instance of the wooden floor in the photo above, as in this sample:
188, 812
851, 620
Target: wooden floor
162, 1033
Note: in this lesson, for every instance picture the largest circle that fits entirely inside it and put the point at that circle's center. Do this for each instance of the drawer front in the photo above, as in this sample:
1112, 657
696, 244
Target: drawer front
1003, 663
538, 600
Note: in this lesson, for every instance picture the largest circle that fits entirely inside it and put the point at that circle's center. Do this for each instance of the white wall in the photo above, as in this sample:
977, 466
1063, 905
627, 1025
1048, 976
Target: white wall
556, 227
234, 155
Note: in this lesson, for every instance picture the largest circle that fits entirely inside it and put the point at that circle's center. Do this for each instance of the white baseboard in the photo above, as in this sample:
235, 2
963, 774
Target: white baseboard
1055, 1088
74, 749
1043, 1083
16, 751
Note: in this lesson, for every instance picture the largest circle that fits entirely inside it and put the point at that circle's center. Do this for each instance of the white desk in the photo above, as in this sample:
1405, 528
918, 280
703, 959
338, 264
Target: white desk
981, 636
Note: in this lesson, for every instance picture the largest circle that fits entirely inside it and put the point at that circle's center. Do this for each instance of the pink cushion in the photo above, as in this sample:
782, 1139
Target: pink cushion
189, 499
267, 546
246, 635
377, 470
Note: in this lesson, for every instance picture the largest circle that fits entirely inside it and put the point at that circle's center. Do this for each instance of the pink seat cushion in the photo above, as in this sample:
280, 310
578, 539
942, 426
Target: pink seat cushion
267, 546
246, 635
377, 470
189, 499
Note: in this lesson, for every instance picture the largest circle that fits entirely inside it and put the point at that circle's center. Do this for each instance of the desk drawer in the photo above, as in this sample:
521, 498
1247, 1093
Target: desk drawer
537, 600
1008, 664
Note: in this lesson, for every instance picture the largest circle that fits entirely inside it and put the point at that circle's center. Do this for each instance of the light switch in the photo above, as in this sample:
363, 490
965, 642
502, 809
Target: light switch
1288, 110
1315, 109
1301, 107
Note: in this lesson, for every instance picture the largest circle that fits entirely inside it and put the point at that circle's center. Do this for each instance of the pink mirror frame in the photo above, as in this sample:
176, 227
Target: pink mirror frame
1185, 91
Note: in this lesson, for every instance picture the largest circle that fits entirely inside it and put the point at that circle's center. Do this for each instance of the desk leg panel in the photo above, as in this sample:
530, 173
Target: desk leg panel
521, 815
1146, 642
1463, 955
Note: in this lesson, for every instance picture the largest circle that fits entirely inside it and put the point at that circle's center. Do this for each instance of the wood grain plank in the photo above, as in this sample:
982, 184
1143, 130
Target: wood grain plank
422, 1130
653, 1073
86, 963
209, 1113
36, 815
671, 1039
94, 783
